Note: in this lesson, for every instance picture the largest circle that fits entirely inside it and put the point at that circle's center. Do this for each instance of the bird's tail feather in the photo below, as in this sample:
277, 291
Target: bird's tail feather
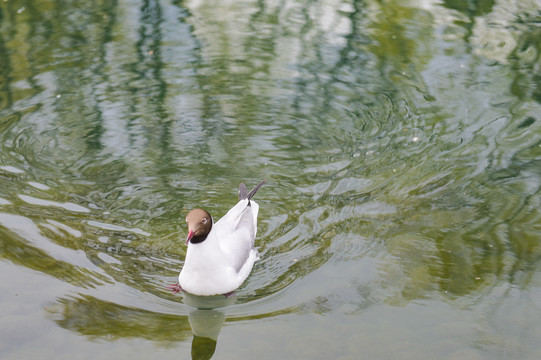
244, 194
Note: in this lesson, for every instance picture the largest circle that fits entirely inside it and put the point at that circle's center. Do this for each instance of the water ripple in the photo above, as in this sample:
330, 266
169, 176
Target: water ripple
402, 157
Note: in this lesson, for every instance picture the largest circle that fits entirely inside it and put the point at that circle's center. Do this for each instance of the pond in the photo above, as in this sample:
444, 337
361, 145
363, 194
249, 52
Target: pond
400, 141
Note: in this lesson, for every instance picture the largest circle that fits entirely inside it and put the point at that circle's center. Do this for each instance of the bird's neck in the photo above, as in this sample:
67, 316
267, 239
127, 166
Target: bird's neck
198, 239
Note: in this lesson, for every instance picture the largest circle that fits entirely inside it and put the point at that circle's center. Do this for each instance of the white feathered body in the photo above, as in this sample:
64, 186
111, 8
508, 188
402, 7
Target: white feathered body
221, 263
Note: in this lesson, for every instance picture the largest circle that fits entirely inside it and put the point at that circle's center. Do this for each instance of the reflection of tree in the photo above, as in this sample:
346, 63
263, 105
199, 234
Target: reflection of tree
5, 92
472, 10
93, 317
525, 59
155, 111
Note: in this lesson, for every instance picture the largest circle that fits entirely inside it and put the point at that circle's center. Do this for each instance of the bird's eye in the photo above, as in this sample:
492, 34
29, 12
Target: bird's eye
204, 221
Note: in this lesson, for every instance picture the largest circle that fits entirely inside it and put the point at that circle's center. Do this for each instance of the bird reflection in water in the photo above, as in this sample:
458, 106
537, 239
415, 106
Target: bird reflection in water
206, 322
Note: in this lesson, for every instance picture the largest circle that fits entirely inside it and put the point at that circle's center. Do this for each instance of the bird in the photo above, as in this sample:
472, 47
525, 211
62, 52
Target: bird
220, 255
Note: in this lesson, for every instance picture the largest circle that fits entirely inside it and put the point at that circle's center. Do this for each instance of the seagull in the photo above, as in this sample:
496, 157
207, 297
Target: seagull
220, 255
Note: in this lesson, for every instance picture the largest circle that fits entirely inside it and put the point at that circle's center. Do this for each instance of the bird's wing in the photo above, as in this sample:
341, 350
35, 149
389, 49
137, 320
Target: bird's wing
236, 232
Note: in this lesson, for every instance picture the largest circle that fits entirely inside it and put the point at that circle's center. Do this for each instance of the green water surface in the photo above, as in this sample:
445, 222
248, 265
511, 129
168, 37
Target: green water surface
401, 142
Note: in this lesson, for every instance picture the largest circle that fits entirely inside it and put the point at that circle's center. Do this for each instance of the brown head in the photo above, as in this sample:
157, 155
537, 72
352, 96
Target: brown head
199, 224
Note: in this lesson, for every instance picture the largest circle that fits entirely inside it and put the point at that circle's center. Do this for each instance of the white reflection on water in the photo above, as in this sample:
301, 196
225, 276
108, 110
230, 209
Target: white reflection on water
55, 225
42, 202
112, 227
38, 185
11, 169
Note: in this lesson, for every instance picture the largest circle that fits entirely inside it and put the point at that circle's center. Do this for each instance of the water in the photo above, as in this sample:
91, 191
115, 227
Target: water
401, 143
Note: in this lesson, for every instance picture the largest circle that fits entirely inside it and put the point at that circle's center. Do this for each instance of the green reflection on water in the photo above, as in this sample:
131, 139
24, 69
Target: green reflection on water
401, 144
